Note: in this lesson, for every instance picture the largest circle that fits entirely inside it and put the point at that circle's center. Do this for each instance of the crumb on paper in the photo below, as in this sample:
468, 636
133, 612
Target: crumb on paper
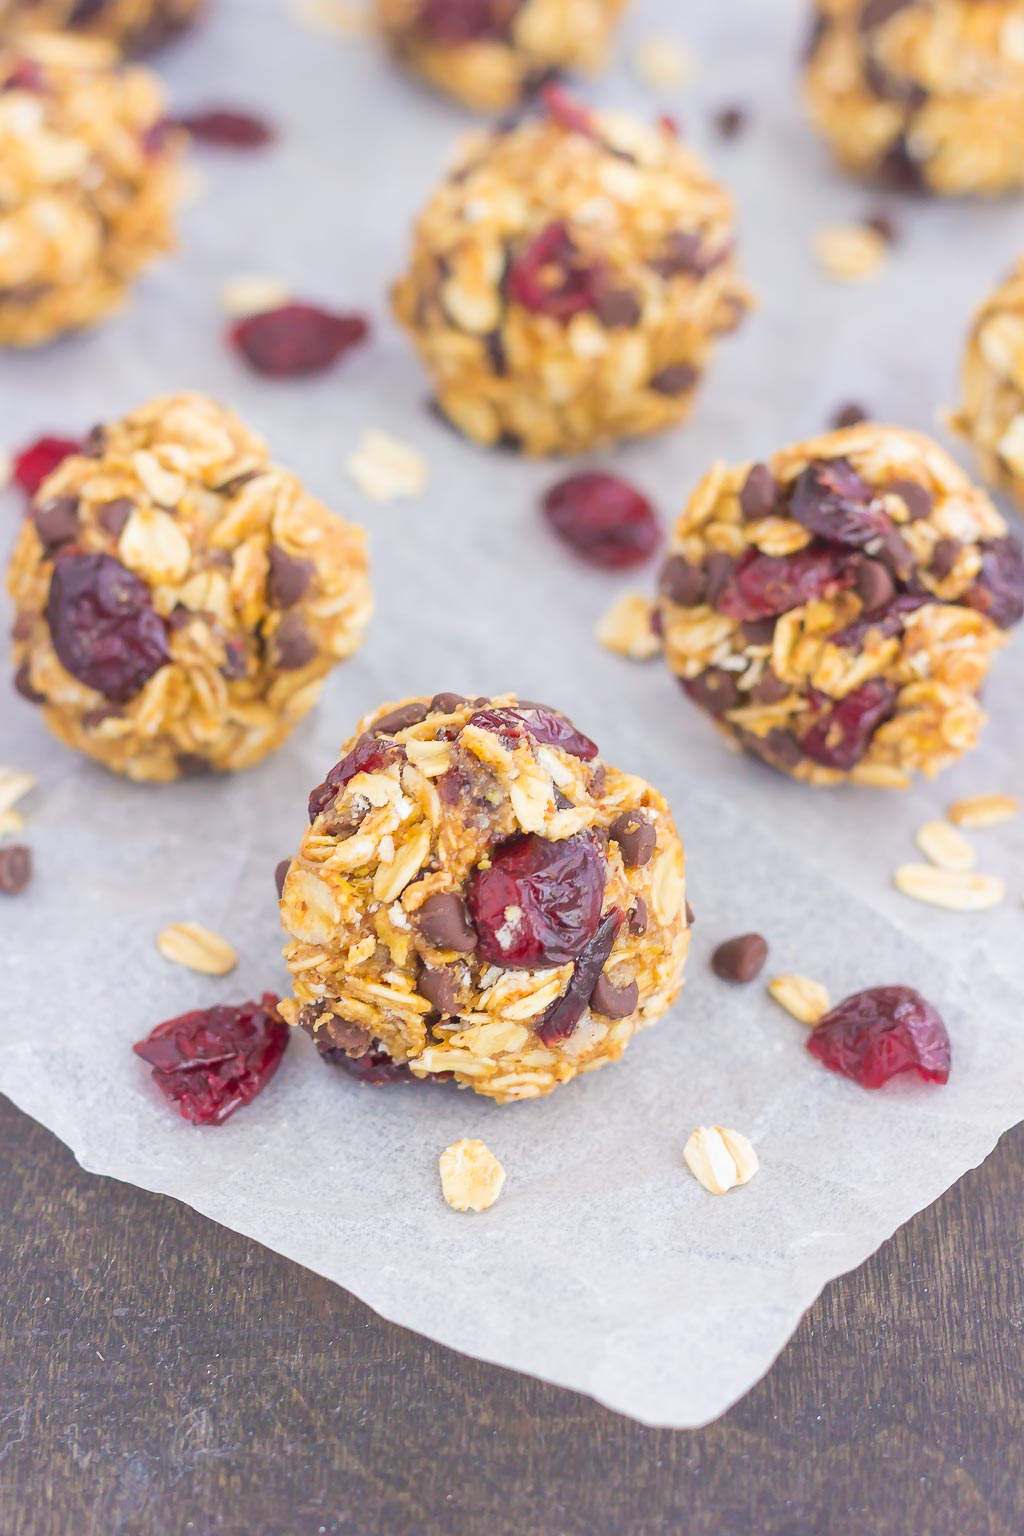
953, 890
471, 1176
386, 469
663, 63
197, 949
945, 847
251, 294
340, 18
979, 811
806, 1000
626, 628
720, 1159
850, 253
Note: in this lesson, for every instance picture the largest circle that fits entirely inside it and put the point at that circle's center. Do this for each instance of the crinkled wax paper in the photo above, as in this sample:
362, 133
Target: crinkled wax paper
605, 1267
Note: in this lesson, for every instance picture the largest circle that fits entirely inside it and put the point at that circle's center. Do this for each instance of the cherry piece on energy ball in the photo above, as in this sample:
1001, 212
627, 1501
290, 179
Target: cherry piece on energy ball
544, 725
875, 1035
603, 519
226, 127
840, 738
213, 1061
375, 1067
550, 277
296, 339
998, 591
832, 500
103, 625
367, 756
538, 903
39, 459
452, 22
561, 1018
559, 104
761, 586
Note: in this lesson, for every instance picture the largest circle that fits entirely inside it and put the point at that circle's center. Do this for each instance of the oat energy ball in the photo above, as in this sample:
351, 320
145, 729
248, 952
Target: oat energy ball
88, 183
835, 610
491, 53
479, 895
133, 25
179, 599
568, 280
922, 94
991, 417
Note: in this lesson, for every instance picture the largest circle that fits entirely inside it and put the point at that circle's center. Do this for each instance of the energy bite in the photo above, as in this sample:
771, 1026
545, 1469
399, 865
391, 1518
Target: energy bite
922, 94
179, 599
991, 416
491, 53
836, 609
480, 896
88, 184
568, 280
132, 25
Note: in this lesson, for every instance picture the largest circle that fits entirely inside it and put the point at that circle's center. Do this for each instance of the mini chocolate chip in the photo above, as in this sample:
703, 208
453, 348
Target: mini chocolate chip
619, 309
769, 689
232, 487
637, 918
113, 515
758, 631
718, 569
675, 380
444, 922
289, 578
636, 836
598, 780
281, 875
873, 585
740, 959
23, 626
95, 443
613, 1002
400, 719
56, 521
95, 717
23, 684
715, 690
883, 224
691, 916
441, 986
777, 747
876, 12
235, 664
760, 494
342, 1035
850, 415
294, 647
494, 346
15, 868
896, 554
446, 703
916, 498
899, 168
192, 765
730, 122
680, 254
944, 557
682, 582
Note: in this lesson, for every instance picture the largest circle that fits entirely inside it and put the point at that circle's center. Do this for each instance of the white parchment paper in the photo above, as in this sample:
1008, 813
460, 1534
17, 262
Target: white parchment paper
605, 1267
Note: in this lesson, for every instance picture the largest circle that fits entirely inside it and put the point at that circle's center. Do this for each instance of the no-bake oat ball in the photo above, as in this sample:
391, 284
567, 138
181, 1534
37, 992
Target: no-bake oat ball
835, 610
133, 25
479, 895
924, 94
991, 416
568, 280
88, 183
179, 599
491, 53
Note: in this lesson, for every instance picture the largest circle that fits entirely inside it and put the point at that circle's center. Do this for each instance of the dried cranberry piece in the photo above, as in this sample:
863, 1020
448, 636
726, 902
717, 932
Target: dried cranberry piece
214, 1060
999, 589
104, 628
840, 738
466, 21
369, 755
544, 725
604, 519
550, 277
296, 339
25, 75
874, 1035
374, 1067
831, 499
539, 902
39, 459
885, 622
226, 127
560, 1019
563, 107
763, 585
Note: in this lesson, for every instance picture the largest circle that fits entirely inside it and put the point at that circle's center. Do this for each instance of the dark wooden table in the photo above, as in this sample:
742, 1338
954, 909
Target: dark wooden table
163, 1377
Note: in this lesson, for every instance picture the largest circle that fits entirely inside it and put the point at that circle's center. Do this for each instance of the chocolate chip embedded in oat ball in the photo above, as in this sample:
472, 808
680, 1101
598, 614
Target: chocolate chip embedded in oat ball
23, 685
446, 703
769, 689
715, 690
740, 959
281, 874
618, 309
294, 645
675, 380
917, 499
691, 916
682, 582
401, 719
944, 557
718, 568
760, 494
613, 1002
15, 868
636, 836
638, 917
445, 923
441, 985
56, 521
873, 585
850, 415
288, 579
113, 515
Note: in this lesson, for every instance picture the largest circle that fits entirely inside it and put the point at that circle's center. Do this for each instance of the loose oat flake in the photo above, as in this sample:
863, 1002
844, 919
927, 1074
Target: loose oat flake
805, 999
945, 847
978, 811
386, 469
14, 785
471, 1176
850, 252
197, 948
663, 63
954, 890
627, 630
720, 1159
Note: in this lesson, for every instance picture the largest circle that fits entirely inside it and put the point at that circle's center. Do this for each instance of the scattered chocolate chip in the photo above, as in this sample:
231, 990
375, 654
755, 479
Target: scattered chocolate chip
740, 959
637, 918
682, 582
760, 494
613, 1002
281, 875
916, 499
294, 647
619, 309
691, 916
636, 836
400, 719
873, 585
883, 224
718, 569
446, 703
730, 122
769, 689
288, 579
15, 868
944, 557
445, 923
56, 521
850, 415
441, 986
23, 684
113, 515
675, 380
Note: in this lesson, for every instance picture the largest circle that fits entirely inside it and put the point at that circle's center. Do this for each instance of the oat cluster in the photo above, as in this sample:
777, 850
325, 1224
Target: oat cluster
179, 598
132, 25
922, 94
991, 416
568, 280
479, 895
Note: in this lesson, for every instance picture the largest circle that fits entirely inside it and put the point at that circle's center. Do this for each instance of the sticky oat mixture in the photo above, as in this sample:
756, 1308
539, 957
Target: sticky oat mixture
133, 25
179, 599
991, 416
836, 609
480, 895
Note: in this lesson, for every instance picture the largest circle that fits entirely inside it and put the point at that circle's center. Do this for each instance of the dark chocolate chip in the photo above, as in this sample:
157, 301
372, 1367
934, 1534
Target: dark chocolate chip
23, 684
294, 646
56, 521
873, 585
400, 719
675, 381
682, 582
613, 1002
681, 254
740, 959
883, 224
944, 557
730, 122
446, 703
718, 569
769, 689
289, 578
95, 443
637, 918
715, 690
850, 415
113, 515
235, 664
618, 309
281, 875
232, 487
758, 631
444, 922
15, 868
441, 986
192, 765
494, 346
636, 836
691, 916
598, 781
896, 554
95, 717
917, 500
877, 12
777, 747
759, 496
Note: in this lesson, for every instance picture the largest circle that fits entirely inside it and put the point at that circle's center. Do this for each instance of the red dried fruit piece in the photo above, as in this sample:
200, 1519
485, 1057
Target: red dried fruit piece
39, 459
763, 585
104, 628
214, 1060
296, 339
466, 21
604, 519
840, 738
998, 591
25, 75
544, 725
874, 1035
551, 278
539, 902
374, 1067
885, 622
831, 499
560, 1019
563, 107
369, 755
226, 127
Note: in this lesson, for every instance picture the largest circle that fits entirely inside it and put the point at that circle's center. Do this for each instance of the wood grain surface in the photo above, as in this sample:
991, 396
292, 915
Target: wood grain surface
164, 1377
